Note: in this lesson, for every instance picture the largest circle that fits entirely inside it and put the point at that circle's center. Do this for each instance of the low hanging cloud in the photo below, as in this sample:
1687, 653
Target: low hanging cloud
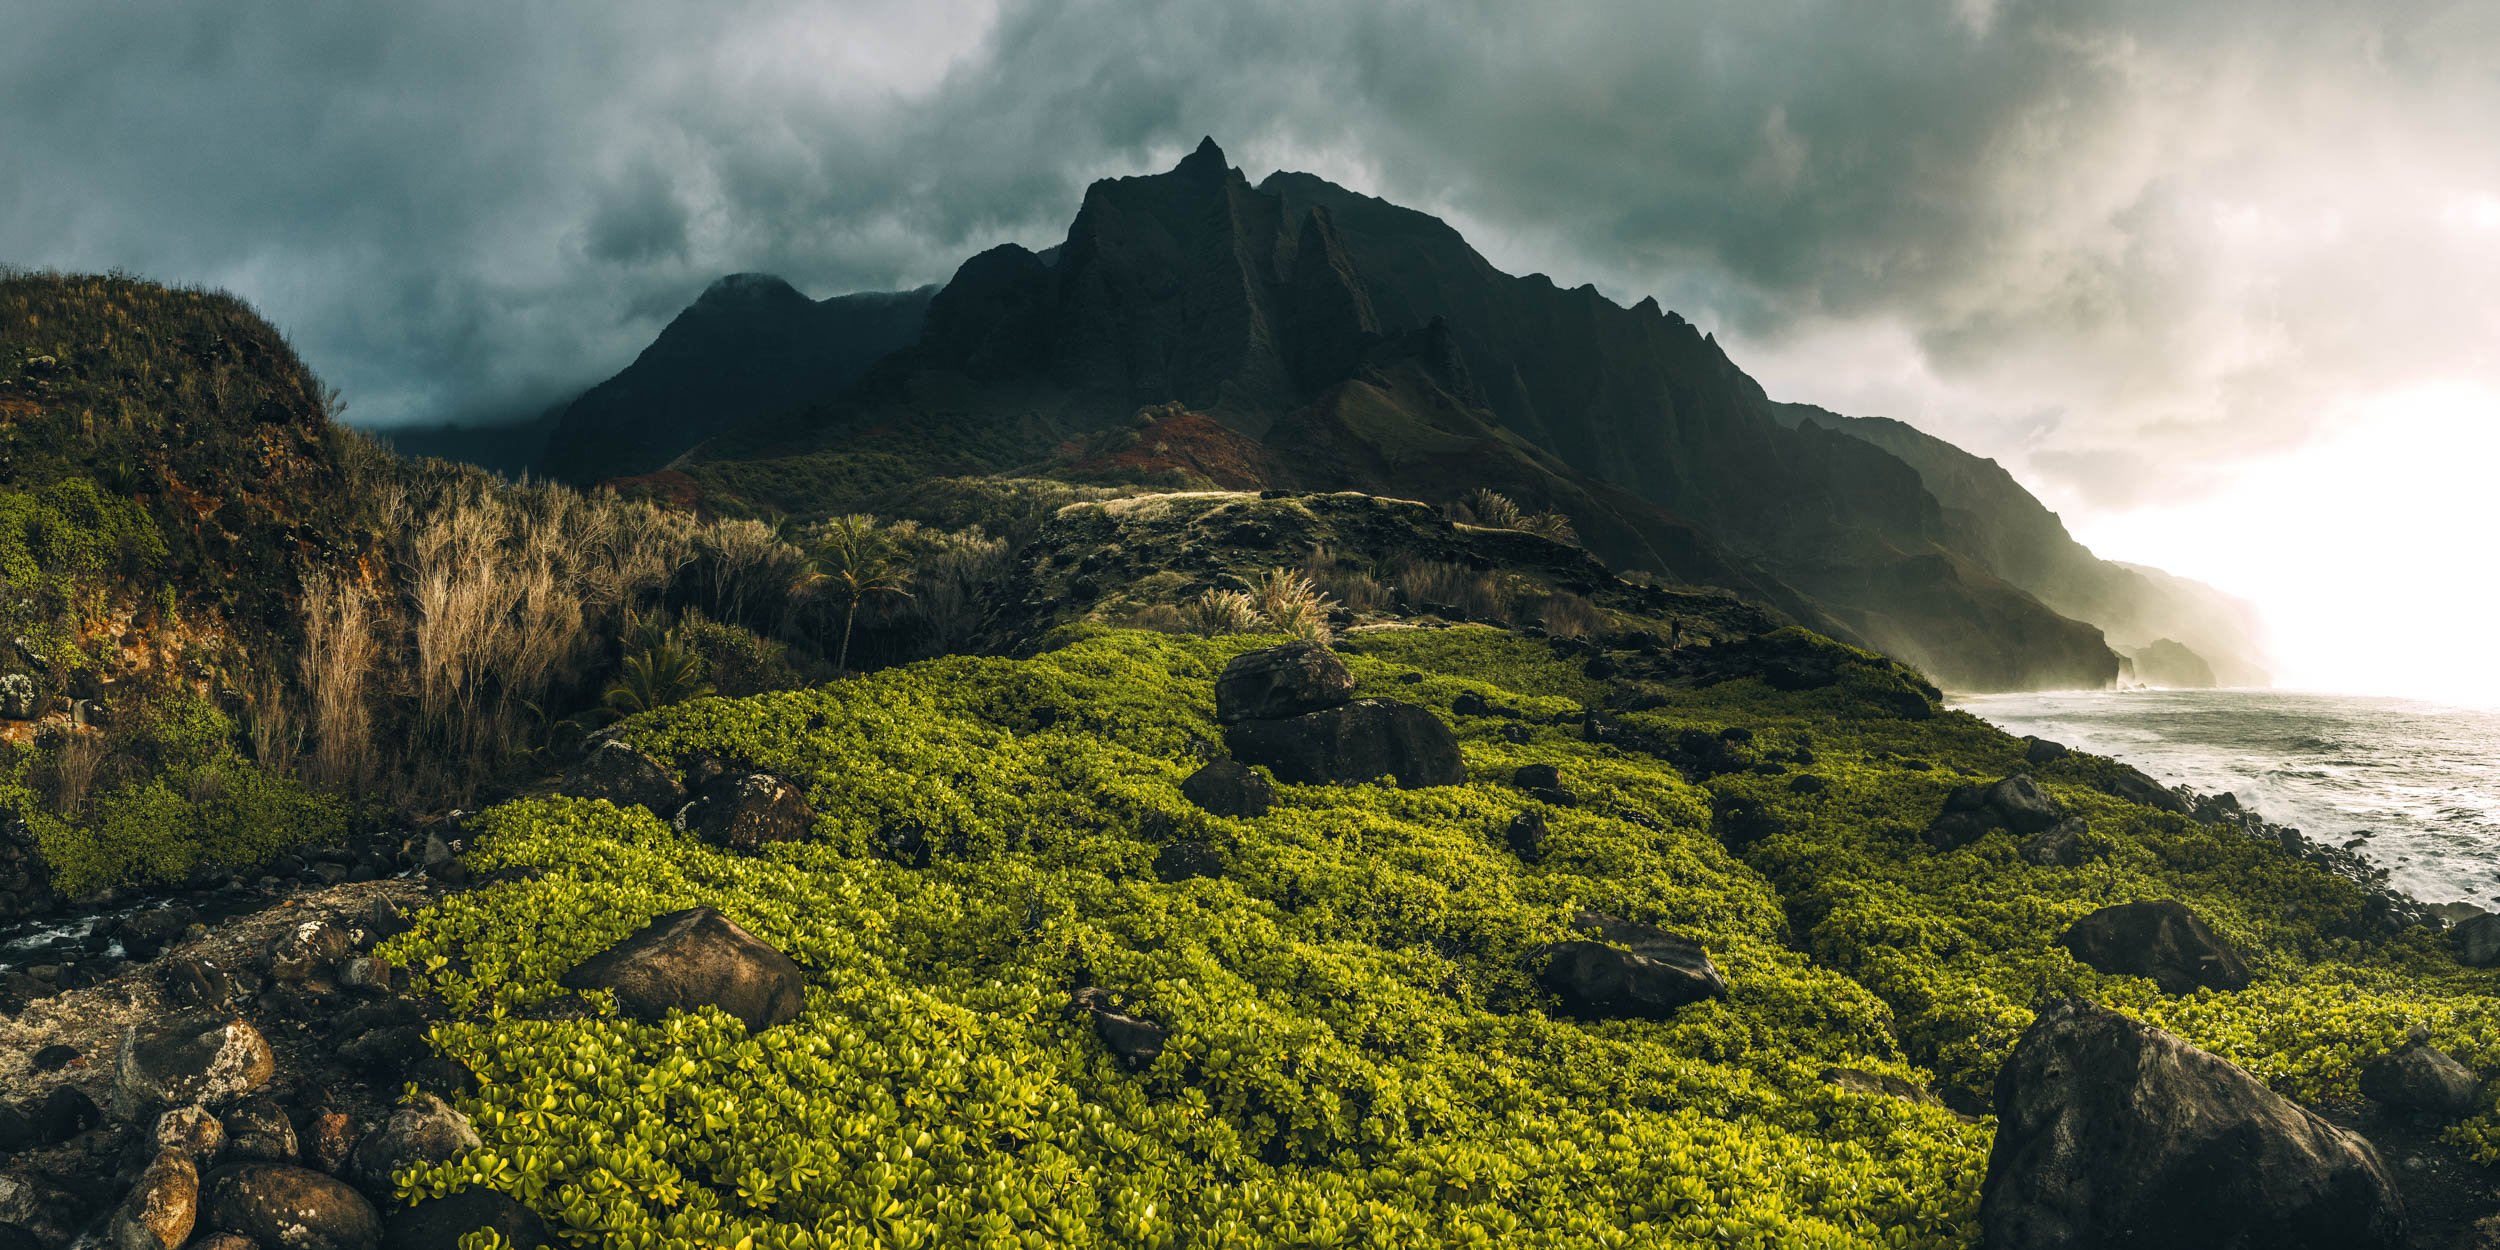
2115, 244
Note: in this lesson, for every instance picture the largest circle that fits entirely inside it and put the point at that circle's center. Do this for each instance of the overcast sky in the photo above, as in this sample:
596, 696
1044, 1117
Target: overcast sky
2147, 255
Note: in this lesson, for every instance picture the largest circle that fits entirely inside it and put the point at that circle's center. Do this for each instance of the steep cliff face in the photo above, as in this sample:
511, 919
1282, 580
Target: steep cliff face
1990, 518
1367, 347
750, 346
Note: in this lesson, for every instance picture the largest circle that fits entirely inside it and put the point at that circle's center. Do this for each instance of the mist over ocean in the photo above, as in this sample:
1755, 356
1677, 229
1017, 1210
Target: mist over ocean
2423, 780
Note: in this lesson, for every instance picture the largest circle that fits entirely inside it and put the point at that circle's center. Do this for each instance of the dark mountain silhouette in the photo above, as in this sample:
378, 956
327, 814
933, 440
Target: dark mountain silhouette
749, 347
1329, 340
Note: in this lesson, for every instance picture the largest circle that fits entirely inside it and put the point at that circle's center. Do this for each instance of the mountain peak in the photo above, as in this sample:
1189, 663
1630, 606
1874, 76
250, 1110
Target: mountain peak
749, 288
1208, 160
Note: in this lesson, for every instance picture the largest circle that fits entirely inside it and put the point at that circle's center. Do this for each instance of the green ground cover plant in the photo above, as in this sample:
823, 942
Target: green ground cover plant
1357, 1056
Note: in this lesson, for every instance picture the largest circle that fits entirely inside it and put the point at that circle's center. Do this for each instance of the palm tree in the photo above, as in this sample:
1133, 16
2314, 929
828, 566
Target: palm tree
660, 672
856, 563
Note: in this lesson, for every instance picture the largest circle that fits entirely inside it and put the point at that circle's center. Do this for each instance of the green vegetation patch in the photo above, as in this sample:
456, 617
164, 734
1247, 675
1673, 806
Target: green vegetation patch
1357, 1056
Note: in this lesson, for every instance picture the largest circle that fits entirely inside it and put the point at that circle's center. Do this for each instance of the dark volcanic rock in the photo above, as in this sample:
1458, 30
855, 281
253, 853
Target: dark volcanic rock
627, 778
1136, 1041
2478, 940
1182, 861
425, 1131
2060, 845
1357, 742
1281, 681
65, 1113
440, 1223
160, 1210
1632, 971
2111, 1133
2132, 785
2421, 1077
1951, 830
257, 1128
746, 812
693, 958
292, 1208
2024, 805
2043, 751
2160, 939
1525, 836
1229, 788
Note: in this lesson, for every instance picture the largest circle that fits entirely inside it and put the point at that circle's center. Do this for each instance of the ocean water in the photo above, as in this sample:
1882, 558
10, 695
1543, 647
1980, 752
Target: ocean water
2422, 780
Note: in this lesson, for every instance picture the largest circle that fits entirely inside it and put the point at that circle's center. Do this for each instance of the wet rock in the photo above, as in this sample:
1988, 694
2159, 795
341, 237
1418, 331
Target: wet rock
191, 1130
1526, 836
2060, 845
440, 1223
291, 1208
258, 1128
1632, 970
1134, 1040
1183, 861
2478, 941
192, 1060
2112, 1133
1278, 682
749, 811
2421, 1077
695, 958
425, 1131
2160, 939
1229, 788
161, 1208
1355, 743
627, 778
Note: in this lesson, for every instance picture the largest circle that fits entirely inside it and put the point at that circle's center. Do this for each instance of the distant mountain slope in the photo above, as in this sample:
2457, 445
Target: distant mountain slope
750, 346
1990, 518
1365, 346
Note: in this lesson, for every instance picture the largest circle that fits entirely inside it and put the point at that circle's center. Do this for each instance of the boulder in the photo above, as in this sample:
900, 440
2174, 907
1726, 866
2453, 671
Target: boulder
747, 812
425, 1131
1290, 680
2478, 941
2025, 807
2058, 846
440, 1223
695, 958
1183, 861
159, 1211
627, 778
2112, 1133
1544, 782
1632, 971
191, 1130
284, 1207
1808, 783
63, 1114
1137, 1042
330, 1141
2132, 785
2421, 1077
2160, 939
1229, 788
2043, 751
1357, 742
1525, 836
1953, 830
186, 1061
223, 1241
310, 951
17, 697
258, 1128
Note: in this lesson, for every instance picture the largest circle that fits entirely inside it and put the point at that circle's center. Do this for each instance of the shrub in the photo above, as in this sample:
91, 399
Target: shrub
1290, 604
1213, 613
1572, 616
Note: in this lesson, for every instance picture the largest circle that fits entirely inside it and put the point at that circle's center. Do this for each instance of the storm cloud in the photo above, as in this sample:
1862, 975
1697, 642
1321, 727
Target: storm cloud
2117, 245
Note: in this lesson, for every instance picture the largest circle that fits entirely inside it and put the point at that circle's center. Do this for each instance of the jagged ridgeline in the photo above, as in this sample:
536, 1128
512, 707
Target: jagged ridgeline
1195, 329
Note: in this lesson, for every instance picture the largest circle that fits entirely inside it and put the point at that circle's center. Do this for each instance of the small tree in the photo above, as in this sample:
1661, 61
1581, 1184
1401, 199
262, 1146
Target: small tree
659, 669
855, 564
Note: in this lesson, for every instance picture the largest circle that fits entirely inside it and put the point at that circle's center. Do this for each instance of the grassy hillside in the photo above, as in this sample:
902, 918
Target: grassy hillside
1357, 1054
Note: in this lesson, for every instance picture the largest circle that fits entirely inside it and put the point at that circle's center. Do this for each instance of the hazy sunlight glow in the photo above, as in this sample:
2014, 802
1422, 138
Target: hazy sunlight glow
2370, 552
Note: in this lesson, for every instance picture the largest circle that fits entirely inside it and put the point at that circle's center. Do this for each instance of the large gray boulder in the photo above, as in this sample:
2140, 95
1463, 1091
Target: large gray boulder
1362, 740
2478, 940
2025, 806
2421, 1077
2113, 1135
1281, 681
696, 958
1630, 970
2160, 939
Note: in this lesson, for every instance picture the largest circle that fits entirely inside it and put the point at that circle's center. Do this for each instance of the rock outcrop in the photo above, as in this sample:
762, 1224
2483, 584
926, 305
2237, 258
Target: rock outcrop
747, 812
2112, 1133
696, 958
1229, 788
1630, 970
2160, 939
627, 778
1278, 682
1362, 740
